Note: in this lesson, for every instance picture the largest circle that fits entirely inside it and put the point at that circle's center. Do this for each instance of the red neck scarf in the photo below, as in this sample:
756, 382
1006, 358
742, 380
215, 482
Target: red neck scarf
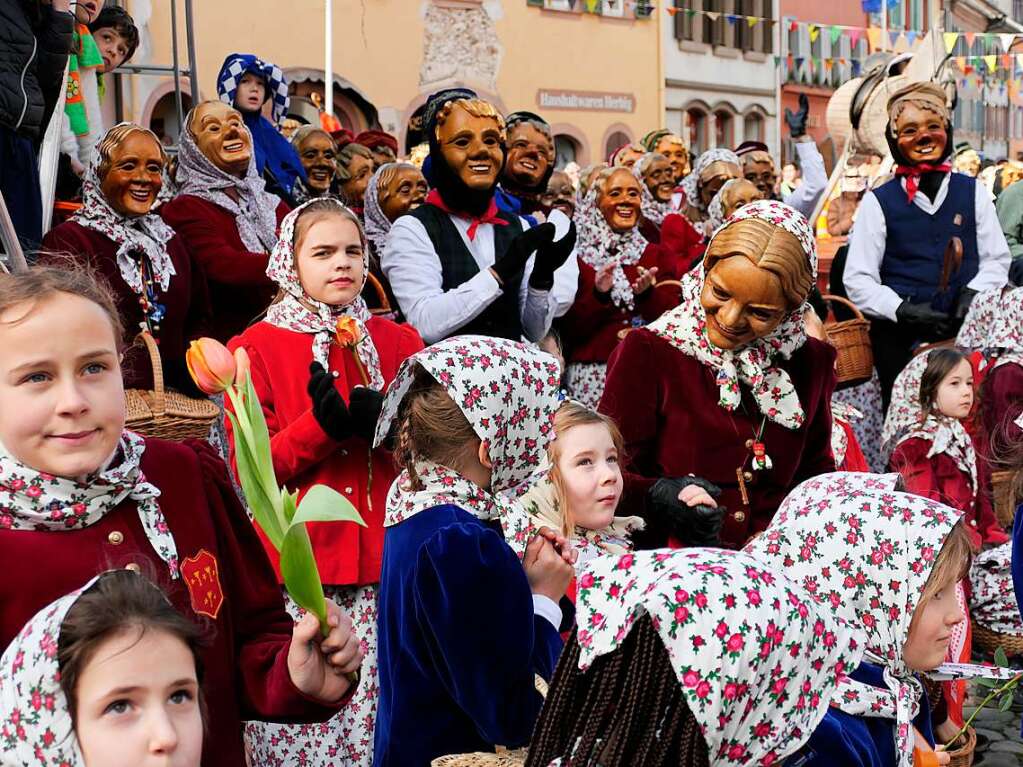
912, 175
490, 217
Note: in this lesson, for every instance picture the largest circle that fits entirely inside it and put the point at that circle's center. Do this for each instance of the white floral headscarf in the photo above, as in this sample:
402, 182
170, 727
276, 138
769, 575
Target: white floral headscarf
905, 420
298, 311
841, 413
865, 553
992, 598
1005, 339
758, 662
255, 211
377, 224
754, 364
691, 183
653, 209
33, 500
597, 245
35, 718
136, 237
509, 393
976, 326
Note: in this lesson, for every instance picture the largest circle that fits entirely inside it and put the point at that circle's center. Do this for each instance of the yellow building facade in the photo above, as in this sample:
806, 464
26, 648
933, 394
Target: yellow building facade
590, 67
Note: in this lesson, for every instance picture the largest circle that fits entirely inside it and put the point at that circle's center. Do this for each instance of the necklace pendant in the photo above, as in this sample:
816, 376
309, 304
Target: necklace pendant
742, 486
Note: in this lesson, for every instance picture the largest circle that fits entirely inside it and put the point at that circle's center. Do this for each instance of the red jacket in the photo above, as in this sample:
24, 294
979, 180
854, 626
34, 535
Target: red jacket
245, 658
186, 302
682, 245
239, 289
303, 455
666, 405
590, 328
940, 479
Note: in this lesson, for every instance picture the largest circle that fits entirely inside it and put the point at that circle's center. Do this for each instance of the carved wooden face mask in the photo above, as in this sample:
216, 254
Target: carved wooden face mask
714, 177
659, 178
471, 146
134, 175
920, 134
317, 154
620, 201
530, 154
405, 191
221, 135
560, 194
672, 147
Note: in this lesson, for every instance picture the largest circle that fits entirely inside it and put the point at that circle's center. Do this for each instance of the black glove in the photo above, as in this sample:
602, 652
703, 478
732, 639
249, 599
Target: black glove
797, 120
329, 407
932, 324
521, 248
365, 404
966, 296
1016, 271
698, 525
549, 259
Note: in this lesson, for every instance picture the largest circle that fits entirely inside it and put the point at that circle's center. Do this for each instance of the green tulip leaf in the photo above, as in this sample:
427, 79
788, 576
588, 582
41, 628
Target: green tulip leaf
261, 506
260, 433
1001, 659
1006, 703
301, 576
325, 504
991, 684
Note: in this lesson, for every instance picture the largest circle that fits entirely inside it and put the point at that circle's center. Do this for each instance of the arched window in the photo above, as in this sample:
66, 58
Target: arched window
697, 120
724, 129
566, 150
614, 141
164, 120
753, 127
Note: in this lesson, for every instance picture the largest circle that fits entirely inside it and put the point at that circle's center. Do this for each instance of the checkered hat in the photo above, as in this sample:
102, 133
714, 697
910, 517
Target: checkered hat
237, 64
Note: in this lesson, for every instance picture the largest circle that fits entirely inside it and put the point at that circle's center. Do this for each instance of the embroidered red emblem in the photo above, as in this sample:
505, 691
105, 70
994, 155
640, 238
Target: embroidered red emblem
203, 581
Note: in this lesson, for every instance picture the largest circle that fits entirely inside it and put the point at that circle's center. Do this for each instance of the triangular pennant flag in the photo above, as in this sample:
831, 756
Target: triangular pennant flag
712, 15
967, 69
1006, 61
854, 36
814, 32
1019, 58
970, 37
794, 26
835, 32
827, 64
777, 61
911, 36
799, 61
856, 67
950, 40
690, 13
732, 18
789, 60
961, 62
752, 21
990, 61
1007, 40
894, 37
671, 11
874, 36
591, 5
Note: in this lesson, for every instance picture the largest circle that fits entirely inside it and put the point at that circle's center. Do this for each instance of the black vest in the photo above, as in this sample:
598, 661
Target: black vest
502, 319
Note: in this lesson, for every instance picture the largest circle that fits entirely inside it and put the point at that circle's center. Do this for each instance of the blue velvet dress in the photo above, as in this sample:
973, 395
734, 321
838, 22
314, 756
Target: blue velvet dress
458, 641
845, 740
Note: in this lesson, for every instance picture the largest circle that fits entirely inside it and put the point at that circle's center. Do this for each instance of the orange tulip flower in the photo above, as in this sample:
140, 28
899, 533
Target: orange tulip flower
211, 365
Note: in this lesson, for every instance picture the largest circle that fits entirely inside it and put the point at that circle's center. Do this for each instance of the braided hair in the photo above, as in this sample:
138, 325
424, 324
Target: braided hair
627, 708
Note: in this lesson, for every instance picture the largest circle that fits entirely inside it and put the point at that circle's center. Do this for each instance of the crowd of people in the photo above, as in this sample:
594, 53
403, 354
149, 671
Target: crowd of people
619, 505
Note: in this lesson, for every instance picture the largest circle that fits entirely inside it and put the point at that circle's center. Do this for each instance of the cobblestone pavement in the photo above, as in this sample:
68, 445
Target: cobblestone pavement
998, 733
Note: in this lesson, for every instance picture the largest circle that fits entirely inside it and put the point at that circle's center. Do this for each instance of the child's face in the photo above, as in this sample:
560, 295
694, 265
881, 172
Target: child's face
134, 712
86, 11
955, 392
328, 260
251, 93
61, 396
931, 630
590, 474
112, 47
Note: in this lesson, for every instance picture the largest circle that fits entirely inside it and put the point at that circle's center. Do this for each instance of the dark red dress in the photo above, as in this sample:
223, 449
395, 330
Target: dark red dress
239, 289
186, 303
666, 405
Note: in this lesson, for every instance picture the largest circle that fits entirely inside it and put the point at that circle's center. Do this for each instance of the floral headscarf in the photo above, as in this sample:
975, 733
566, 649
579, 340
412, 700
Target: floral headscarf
758, 662
716, 209
297, 311
597, 245
841, 412
377, 224
36, 719
905, 420
865, 553
653, 209
685, 328
33, 500
255, 211
992, 599
136, 237
509, 393
691, 183
1005, 339
976, 326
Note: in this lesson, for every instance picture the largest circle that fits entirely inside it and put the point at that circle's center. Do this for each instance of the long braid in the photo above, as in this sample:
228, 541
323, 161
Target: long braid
628, 708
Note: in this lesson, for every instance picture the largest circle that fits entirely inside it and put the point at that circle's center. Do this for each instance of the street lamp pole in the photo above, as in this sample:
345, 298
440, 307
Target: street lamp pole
328, 57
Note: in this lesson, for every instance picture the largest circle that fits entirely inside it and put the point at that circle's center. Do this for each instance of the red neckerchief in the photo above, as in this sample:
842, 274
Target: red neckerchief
490, 217
912, 174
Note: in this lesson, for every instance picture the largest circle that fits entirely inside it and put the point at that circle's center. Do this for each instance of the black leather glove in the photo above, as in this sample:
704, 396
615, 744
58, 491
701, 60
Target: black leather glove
521, 248
698, 525
932, 324
1016, 271
329, 407
797, 120
365, 404
549, 259
966, 296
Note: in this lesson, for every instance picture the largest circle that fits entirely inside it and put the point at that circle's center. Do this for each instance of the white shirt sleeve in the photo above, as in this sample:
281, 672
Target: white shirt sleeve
414, 272
862, 275
548, 609
815, 179
536, 307
566, 284
992, 249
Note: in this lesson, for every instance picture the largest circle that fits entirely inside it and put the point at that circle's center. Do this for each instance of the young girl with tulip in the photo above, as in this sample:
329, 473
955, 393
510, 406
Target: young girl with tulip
82, 495
319, 362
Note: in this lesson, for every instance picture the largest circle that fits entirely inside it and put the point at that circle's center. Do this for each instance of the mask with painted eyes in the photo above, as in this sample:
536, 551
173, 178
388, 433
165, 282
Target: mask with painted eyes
221, 135
472, 147
620, 200
317, 153
920, 134
530, 155
134, 175
405, 191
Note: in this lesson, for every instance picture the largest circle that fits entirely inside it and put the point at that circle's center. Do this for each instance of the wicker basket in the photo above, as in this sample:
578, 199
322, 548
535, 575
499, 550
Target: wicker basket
378, 288
1003, 498
963, 756
851, 339
988, 641
166, 414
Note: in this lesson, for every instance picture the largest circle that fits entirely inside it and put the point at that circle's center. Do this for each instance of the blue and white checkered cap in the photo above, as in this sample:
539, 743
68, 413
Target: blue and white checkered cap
238, 64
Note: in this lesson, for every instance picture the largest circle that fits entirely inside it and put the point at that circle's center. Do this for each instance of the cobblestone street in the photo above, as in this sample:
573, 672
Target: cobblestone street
998, 733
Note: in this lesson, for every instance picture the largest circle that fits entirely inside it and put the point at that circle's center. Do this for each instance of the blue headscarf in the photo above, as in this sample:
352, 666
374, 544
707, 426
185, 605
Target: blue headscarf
272, 150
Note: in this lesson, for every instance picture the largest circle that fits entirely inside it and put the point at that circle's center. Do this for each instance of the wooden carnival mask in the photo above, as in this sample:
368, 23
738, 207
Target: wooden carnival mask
403, 191
758, 168
714, 177
221, 135
318, 153
672, 147
619, 200
132, 177
659, 177
471, 145
560, 194
921, 134
530, 155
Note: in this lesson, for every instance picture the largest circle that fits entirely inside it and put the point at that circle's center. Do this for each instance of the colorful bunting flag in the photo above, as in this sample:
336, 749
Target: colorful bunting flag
990, 61
1007, 40
836, 32
814, 32
874, 36
950, 40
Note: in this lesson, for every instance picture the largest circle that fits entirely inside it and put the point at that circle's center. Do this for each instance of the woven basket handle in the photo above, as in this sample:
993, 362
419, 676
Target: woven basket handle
159, 399
385, 305
668, 284
847, 302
